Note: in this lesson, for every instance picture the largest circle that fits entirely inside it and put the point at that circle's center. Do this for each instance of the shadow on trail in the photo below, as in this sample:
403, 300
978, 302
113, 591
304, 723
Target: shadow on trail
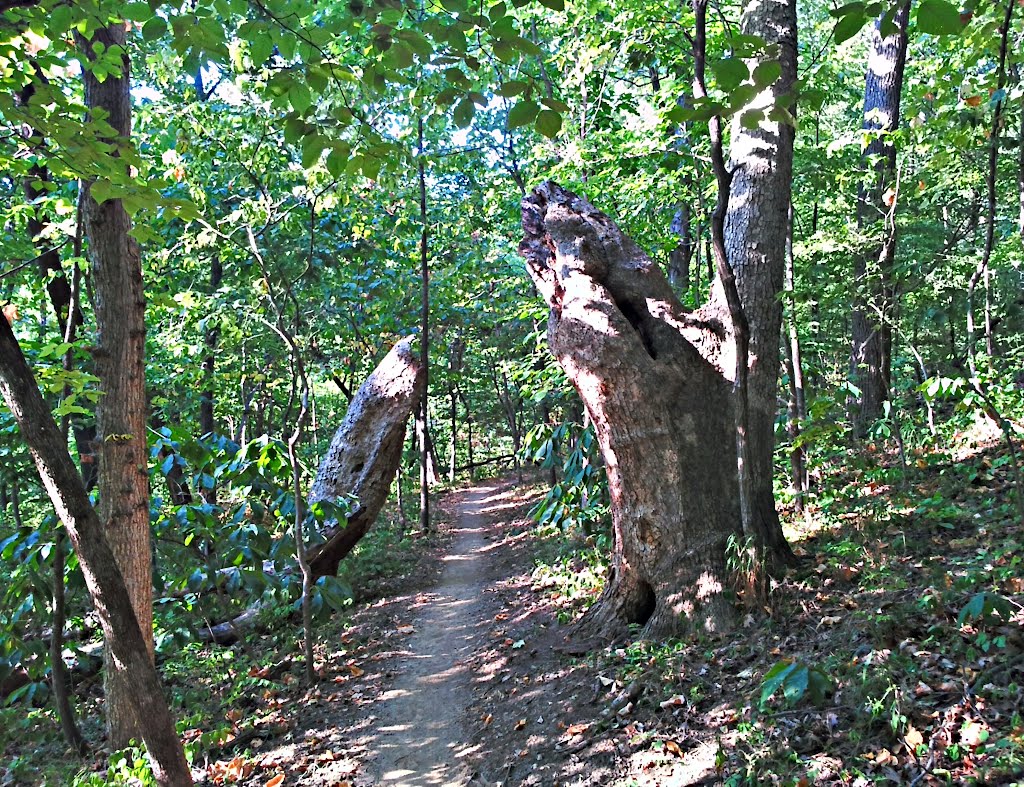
422, 730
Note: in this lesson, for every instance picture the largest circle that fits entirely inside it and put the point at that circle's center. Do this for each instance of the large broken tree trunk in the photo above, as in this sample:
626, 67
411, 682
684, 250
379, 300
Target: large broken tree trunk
651, 376
365, 452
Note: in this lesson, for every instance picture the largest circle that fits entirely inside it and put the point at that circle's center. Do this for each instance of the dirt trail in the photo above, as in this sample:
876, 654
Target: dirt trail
422, 728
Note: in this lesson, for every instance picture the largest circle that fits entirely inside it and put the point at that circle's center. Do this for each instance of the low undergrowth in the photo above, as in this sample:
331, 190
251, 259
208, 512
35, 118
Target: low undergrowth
226, 698
893, 654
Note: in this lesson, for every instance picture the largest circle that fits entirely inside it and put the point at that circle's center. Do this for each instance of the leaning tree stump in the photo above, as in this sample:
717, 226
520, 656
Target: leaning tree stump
365, 453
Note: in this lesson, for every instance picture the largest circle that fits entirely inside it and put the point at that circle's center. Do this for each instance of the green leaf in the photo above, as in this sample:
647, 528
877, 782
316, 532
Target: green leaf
741, 96
102, 190
456, 77
938, 17
766, 73
549, 123
511, 88
555, 104
554, 5
849, 26
847, 9
751, 119
299, 97
399, 56
261, 47
312, 147
446, 97
136, 12
417, 42
522, 114
795, 685
337, 160
59, 21
986, 608
154, 29
729, 73
782, 115
504, 51
463, 114
775, 677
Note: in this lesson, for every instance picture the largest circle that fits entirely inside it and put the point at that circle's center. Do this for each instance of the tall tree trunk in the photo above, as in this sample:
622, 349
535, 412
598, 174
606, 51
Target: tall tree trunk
455, 362
423, 419
121, 412
1020, 172
64, 300
123, 636
983, 272
207, 423
874, 301
652, 380
797, 408
681, 258
58, 670
728, 304
761, 161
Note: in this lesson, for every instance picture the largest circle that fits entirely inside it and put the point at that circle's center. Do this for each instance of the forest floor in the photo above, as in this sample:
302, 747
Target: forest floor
893, 654
897, 648
458, 675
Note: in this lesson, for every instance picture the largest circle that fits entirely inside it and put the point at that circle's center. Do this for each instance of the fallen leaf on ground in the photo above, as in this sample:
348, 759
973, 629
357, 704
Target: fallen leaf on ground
913, 738
277, 781
673, 748
973, 734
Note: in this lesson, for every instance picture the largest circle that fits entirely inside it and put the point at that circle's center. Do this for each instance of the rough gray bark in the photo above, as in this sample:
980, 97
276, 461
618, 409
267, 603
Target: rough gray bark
651, 377
366, 450
761, 163
682, 255
875, 299
131, 656
428, 474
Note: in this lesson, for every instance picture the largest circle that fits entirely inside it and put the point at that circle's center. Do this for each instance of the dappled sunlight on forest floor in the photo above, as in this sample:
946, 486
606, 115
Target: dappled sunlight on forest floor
893, 652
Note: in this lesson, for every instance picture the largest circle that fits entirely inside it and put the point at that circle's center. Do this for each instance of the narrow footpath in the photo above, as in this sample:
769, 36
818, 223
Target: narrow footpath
422, 725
